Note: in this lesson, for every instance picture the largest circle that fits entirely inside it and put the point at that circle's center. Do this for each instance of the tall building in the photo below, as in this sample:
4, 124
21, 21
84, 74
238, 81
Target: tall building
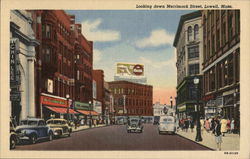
22, 63
221, 62
98, 96
188, 44
131, 99
64, 64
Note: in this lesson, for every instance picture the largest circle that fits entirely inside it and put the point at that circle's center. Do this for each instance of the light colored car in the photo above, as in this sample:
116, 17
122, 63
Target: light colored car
167, 125
134, 125
60, 127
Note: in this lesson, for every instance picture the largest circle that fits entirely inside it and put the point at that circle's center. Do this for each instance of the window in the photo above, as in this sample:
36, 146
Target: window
237, 65
48, 31
223, 33
193, 52
47, 55
230, 27
78, 74
196, 32
189, 33
230, 69
193, 69
212, 79
218, 39
213, 42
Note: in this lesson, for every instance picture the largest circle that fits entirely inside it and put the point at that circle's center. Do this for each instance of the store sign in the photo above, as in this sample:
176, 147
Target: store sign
97, 106
128, 69
15, 96
53, 101
14, 60
81, 106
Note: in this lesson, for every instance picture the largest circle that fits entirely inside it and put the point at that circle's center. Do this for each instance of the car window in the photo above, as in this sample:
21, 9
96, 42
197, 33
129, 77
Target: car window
63, 122
41, 123
28, 122
50, 122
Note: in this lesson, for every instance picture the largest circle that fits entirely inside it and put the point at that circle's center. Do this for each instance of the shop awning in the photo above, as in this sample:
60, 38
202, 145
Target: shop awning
87, 112
61, 110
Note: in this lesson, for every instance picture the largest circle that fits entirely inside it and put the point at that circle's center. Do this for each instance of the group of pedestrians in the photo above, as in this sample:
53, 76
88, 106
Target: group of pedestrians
186, 123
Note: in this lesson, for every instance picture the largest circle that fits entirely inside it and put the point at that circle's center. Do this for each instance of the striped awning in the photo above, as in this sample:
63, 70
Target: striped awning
87, 112
61, 110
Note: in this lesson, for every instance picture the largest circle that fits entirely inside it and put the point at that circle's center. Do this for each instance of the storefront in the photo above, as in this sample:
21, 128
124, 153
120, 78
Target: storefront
56, 107
85, 112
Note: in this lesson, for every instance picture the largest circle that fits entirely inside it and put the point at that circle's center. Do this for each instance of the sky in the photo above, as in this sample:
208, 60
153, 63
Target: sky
135, 36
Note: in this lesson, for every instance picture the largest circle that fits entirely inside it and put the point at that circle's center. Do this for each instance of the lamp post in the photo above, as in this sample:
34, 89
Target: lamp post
90, 116
171, 102
198, 137
67, 97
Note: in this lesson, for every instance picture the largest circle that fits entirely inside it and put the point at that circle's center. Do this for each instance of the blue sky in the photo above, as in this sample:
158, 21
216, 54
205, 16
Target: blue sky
134, 36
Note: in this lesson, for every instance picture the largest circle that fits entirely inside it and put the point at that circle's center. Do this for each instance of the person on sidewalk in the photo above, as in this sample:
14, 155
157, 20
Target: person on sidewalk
228, 125
217, 134
232, 126
186, 123
212, 125
223, 123
207, 125
191, 122
202, 125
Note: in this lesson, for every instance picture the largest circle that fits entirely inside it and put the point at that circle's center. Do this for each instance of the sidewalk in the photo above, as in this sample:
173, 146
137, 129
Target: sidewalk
229, 141
83, 127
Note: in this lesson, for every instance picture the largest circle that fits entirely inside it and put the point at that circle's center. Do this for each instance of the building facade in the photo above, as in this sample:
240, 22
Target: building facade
131, 99
188, 44
64, 63
98, 101
221, 63
22, 62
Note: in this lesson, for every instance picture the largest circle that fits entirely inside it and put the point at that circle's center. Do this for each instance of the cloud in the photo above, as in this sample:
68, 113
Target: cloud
97, 55
158, 64
157, 38
90, 29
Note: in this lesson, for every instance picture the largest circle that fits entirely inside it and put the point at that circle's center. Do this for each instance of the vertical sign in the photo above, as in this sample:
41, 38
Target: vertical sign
14, 71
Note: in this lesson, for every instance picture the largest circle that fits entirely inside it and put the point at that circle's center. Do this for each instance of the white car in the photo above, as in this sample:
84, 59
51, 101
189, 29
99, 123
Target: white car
167, 125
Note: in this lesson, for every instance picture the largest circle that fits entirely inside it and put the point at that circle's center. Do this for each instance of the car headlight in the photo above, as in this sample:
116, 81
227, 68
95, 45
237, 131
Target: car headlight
23, 132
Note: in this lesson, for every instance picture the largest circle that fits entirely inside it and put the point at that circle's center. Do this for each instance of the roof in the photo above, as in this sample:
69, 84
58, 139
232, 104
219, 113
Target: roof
184, 18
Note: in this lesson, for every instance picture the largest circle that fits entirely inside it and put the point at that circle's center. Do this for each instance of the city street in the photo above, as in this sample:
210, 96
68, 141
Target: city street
116, 138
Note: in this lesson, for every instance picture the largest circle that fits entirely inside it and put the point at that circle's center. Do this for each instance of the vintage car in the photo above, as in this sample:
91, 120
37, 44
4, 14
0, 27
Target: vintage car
167, 125
33, 129
59, 126
14, 139
134, 125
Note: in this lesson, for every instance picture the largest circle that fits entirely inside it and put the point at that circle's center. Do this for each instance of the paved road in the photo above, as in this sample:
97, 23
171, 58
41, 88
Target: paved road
116, 138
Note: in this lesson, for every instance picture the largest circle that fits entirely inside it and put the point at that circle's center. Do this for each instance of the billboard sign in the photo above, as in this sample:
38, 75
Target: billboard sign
129, 69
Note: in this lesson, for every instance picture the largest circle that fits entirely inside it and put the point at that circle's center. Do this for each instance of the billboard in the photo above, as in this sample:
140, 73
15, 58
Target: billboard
129, 69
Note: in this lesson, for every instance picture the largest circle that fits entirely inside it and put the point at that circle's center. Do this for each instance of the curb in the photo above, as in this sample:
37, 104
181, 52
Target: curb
90, 128
196, 142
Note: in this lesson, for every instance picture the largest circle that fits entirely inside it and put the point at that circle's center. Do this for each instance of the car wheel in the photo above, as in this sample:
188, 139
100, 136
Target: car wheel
50, 136
12, 142
33, 139
159, 132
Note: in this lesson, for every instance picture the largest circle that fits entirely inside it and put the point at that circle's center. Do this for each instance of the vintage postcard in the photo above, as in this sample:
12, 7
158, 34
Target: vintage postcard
124, 79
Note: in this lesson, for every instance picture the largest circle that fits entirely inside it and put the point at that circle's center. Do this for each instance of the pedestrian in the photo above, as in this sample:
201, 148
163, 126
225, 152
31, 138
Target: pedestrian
232, 126
212, 124
207, 125
202, 124
186, 123
191, 125
223, 123
217, 134
228, 125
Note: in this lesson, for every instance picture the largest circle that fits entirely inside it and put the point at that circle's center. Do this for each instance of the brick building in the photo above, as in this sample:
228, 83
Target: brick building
221, 62
131, 99
64, 63
99, 96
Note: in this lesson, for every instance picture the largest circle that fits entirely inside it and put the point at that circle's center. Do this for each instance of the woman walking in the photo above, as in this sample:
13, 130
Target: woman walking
217, 134
207, 125
223, 123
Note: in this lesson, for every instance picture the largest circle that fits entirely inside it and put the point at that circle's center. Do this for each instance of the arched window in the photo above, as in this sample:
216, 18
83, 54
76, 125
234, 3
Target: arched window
189, 33
196, 32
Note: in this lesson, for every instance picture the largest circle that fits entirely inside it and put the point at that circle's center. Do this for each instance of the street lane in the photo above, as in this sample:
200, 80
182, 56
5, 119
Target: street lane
116, 138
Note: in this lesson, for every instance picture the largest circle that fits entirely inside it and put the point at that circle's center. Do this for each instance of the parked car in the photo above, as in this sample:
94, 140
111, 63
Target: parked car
14, 139
60, 127
134, 125
34, 129
167, 125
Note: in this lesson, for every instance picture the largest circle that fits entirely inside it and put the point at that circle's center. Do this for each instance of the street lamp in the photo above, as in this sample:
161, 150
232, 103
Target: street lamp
198, 137
90, 117
67, 96
171, 101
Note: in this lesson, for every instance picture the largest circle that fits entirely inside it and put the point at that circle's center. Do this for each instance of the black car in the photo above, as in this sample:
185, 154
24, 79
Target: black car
134, 125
